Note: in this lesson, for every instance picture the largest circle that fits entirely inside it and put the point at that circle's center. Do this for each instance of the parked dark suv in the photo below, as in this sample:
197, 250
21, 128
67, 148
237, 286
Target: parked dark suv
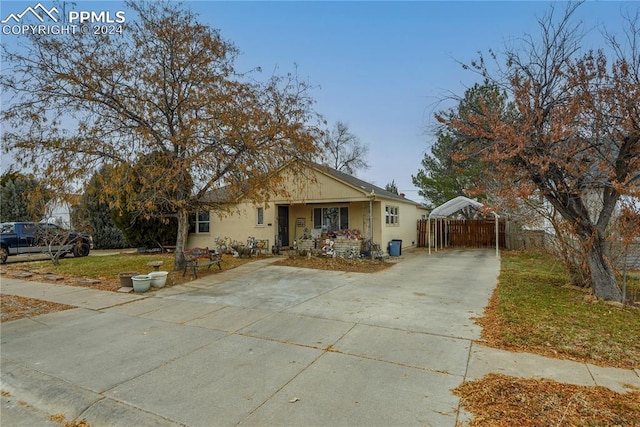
17, 238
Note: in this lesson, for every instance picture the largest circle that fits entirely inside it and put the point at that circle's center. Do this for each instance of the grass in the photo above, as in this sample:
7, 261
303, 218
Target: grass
103, 267
534, 310
106, 268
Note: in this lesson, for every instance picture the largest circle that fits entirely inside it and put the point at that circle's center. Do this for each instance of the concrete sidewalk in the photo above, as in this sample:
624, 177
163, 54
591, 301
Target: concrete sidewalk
269, 345
77, 296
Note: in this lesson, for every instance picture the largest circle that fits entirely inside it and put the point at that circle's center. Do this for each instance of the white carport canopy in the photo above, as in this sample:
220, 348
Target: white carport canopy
449, 208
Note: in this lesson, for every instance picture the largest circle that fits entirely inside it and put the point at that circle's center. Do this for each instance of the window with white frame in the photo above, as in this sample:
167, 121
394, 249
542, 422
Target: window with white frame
392, 215
202, 222
260, 216
331, 219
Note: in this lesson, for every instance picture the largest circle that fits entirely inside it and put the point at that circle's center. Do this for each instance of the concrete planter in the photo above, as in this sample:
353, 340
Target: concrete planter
141, 283
125, 278
158, 278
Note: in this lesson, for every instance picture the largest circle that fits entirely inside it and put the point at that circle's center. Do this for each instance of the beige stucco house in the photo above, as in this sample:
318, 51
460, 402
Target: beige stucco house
328, 203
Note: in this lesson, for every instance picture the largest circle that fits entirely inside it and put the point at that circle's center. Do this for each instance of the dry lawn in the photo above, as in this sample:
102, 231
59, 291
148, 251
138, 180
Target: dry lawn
533, 311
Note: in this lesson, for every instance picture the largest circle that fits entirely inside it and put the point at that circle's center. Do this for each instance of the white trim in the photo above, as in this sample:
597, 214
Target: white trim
198, 222
258, 223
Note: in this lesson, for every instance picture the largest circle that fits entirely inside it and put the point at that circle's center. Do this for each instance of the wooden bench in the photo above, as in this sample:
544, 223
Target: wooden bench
200, 257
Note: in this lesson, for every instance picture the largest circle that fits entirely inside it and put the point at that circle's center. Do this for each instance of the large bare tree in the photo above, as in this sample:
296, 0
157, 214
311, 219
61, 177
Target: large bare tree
164, 95
574, 137
343, 150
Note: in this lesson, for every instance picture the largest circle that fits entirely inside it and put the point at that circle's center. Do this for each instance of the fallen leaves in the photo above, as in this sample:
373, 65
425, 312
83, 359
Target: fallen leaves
58, 418
77, 423
14, 307
335, 264
500, 400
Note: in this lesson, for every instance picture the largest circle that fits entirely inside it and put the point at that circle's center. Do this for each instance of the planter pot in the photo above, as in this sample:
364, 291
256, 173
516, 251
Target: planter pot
141, 283
125, 278
158, 278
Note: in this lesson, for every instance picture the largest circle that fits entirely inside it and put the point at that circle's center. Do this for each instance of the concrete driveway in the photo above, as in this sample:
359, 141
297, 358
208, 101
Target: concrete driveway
264, 345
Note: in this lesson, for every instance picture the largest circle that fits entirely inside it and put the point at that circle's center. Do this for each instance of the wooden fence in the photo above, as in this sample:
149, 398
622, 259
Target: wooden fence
476, 233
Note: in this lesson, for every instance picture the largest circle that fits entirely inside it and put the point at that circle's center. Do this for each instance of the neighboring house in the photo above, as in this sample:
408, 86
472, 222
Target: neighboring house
328, 203
622, 256
59, 211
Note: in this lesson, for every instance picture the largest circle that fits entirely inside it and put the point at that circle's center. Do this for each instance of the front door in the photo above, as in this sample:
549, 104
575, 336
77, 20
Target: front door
283, 225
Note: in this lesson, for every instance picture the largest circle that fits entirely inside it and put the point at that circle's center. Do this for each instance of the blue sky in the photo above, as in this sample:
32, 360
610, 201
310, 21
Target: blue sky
384, 68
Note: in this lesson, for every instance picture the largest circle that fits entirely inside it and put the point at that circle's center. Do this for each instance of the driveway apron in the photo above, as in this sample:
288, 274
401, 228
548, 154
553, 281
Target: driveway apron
264, 345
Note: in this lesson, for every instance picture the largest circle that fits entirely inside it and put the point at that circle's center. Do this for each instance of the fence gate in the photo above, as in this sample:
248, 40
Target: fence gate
474, 233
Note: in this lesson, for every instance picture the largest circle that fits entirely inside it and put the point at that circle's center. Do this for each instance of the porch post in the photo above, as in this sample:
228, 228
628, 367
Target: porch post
372, 196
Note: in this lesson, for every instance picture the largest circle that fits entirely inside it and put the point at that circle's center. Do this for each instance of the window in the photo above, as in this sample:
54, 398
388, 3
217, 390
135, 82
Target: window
260, 216
391, 215
331, 219
28, 230
202, 222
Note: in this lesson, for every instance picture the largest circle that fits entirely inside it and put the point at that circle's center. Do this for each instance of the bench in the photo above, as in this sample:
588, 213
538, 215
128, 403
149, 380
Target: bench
200, 257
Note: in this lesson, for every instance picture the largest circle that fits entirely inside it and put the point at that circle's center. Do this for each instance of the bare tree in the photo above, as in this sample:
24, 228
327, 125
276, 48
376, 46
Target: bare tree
344, 151
626, 246
164, 94
574, 137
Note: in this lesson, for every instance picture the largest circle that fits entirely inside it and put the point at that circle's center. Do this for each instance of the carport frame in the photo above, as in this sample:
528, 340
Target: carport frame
452, 206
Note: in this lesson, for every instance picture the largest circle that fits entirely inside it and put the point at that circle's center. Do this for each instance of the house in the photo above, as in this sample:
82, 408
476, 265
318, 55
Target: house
58, 211
329, 204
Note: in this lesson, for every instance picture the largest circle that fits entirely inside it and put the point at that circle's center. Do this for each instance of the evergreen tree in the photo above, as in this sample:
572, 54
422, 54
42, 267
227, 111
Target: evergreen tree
146, 232
96, 215
440, 180
445, 174
23, 199
155, 226
392, 187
